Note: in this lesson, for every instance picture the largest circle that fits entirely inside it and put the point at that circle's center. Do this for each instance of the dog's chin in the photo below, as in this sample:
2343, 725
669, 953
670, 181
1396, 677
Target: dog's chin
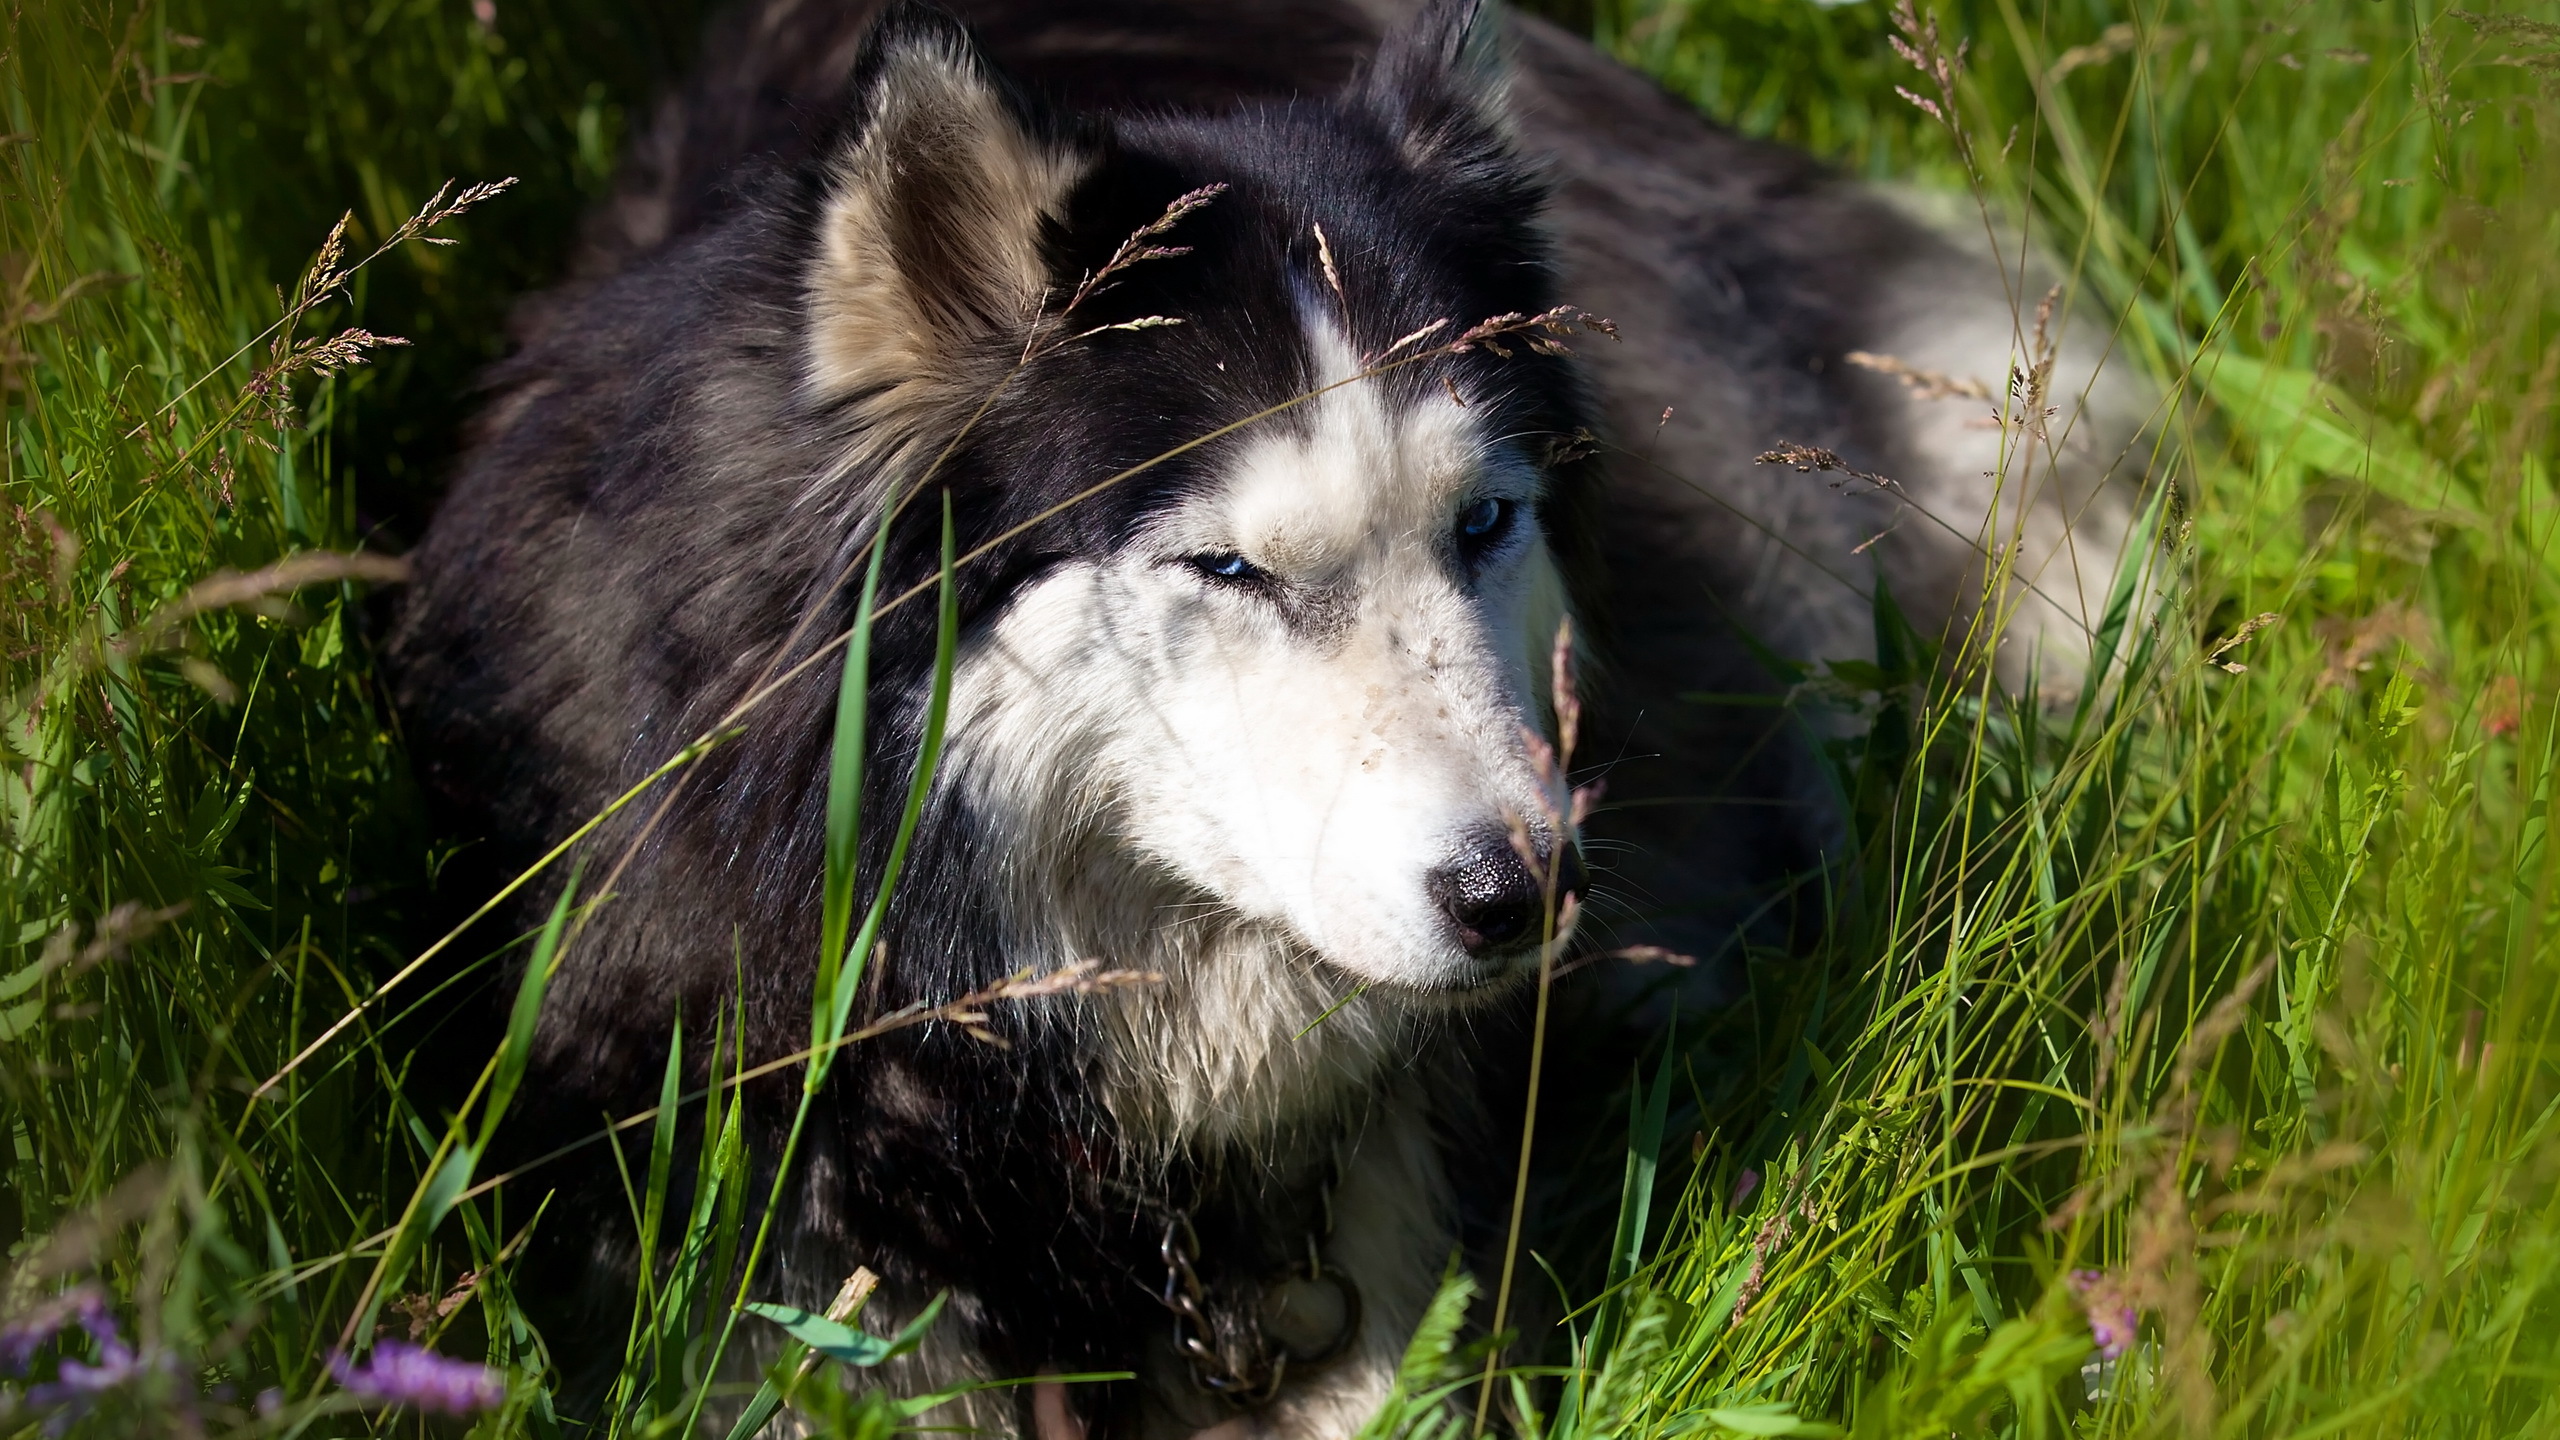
1448, 979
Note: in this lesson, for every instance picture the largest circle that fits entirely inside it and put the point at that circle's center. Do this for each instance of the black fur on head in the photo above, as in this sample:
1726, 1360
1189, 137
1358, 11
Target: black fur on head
668, 501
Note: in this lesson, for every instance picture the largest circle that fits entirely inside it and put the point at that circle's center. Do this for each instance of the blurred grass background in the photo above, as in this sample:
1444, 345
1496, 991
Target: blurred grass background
2226, 1001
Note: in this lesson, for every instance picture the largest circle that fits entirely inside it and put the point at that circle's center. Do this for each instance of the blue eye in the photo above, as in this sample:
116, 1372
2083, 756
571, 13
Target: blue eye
1229, 566
1483, 520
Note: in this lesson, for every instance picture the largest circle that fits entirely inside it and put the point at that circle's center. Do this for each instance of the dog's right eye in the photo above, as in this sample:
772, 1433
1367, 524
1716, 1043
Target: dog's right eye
1228, 567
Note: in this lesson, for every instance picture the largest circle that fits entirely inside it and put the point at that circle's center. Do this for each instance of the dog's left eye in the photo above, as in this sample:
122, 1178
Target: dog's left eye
1483, 522
1229, 566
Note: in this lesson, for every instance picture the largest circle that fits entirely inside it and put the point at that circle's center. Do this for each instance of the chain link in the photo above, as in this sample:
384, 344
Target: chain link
1251, 1383
1255, 1377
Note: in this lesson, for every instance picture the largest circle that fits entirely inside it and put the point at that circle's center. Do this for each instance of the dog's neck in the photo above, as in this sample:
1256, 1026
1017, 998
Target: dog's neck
1248, 1046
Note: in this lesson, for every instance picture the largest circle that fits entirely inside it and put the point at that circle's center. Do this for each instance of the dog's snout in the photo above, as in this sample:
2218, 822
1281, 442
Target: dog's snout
1492, 895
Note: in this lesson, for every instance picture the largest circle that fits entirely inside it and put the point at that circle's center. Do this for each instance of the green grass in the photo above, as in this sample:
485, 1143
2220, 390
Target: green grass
2236, 987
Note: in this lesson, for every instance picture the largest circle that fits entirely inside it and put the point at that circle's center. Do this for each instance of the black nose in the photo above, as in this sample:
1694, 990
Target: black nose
1492, 896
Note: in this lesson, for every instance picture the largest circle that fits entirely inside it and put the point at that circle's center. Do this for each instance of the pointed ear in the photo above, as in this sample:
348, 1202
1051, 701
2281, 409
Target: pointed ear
929, 245
1442, 82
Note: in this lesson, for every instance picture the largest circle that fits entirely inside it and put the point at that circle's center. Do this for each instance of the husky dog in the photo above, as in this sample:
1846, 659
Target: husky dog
1255, 718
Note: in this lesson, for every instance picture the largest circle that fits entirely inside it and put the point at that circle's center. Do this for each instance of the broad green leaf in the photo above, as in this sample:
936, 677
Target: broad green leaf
2295, 413
843, 1343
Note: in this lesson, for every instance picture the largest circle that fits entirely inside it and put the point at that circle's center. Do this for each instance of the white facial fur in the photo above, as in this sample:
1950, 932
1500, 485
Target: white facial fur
1180, 777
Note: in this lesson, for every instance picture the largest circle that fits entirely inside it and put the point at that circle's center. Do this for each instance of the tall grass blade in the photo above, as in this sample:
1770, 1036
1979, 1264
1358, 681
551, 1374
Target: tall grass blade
834, 1007
1648, 1107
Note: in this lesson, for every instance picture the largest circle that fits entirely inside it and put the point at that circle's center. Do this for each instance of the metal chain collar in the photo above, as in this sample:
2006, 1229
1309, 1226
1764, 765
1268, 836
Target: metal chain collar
1253, 1377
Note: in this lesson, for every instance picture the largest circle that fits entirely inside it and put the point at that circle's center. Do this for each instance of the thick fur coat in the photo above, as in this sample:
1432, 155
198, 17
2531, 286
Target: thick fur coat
1252, 719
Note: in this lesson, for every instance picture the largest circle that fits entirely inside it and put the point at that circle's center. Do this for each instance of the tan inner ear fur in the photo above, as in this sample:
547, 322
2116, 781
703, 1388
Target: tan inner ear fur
929, 248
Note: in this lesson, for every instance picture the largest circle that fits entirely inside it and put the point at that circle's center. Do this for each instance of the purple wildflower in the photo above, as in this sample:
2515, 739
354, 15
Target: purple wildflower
2113, 1330
117, 1364
21, 1337
76, 1387
2113, 1322
397, 1373
1747, 1182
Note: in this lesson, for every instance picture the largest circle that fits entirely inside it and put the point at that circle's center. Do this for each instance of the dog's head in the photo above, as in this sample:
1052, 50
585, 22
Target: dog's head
1264, 638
